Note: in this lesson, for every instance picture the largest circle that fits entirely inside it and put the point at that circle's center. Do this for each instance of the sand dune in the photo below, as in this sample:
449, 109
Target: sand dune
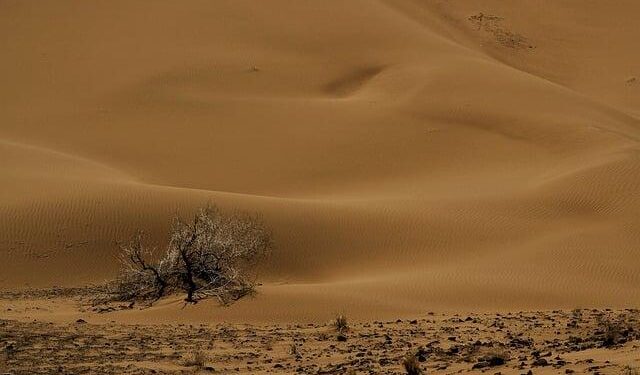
451, 155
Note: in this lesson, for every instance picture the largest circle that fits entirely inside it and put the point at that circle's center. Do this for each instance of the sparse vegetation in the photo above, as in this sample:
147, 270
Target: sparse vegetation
197, 359
411, 364
616, 330
209, 256
293, 350
496, 357
612, 332
576, 313
450, 344
341, 324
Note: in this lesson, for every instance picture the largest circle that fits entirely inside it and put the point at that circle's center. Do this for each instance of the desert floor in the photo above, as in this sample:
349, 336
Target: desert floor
62, 335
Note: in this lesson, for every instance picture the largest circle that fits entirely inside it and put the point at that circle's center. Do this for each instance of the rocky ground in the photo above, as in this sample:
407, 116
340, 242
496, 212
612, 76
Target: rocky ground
578, 341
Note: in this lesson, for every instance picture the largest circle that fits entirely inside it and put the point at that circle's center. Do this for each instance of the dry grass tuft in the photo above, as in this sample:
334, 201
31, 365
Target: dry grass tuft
293, 350
341, 324
197, 359
613, 332
411, 364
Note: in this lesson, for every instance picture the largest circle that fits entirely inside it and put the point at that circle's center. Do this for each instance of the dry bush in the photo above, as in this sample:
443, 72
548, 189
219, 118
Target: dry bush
411, 364
197, 359
613, 332
210, 256
496, 357
140, 277
340, 324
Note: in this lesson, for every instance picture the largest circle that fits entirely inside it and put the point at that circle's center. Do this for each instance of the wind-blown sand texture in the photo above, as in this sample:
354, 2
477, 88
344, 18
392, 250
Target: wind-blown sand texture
409, 155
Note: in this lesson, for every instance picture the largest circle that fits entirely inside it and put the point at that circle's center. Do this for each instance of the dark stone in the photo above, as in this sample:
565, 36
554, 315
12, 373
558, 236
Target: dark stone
384, 361
482, 364
540, 362
492, 360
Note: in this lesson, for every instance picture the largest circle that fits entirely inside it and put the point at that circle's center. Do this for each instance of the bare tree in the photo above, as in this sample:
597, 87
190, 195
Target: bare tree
140, 276
209, 256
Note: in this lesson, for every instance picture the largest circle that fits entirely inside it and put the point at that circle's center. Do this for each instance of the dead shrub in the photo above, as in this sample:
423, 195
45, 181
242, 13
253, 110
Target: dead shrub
197, 359
211, 255
340, 324
411, 364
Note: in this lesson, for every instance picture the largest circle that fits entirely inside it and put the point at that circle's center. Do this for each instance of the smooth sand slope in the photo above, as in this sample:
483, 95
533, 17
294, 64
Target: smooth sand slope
407, 154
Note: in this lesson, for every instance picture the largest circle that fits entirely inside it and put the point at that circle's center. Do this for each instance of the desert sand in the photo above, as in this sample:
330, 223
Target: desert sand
535, 342
409, 156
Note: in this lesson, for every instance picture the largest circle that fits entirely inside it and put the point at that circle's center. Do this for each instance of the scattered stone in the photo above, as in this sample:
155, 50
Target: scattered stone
540, 362
372, 347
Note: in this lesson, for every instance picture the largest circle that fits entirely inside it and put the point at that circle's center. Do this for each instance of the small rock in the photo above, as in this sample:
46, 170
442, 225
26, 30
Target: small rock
540, 362
481, 364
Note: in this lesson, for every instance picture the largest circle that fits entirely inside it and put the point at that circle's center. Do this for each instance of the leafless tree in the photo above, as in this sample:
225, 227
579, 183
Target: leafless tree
210, 256
140, 276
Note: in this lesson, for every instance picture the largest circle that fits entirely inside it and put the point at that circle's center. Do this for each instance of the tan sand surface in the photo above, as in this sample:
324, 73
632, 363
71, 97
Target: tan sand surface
534, 342
408, 155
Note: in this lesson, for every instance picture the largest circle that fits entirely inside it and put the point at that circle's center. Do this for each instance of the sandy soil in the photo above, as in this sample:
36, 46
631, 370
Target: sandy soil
536, 342
409, 155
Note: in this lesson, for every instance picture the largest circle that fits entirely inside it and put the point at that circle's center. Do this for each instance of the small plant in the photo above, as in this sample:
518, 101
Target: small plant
340, 324
411, 364
197, 359
576, 317
293, 350
612, 332
576, 313
496, 357
9, 350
